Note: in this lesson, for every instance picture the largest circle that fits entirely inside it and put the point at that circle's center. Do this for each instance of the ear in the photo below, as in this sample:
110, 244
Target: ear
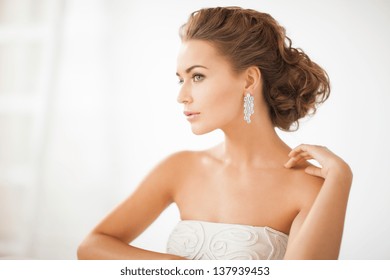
252, 78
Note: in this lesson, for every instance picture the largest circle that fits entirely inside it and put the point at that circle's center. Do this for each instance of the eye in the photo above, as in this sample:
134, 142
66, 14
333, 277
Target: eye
197, 77
180, 82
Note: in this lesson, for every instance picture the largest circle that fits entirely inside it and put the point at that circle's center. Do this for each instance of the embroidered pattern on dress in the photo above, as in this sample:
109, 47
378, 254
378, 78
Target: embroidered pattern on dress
217, 241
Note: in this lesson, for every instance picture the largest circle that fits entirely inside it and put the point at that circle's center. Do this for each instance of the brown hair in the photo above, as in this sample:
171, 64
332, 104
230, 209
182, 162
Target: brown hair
293, 85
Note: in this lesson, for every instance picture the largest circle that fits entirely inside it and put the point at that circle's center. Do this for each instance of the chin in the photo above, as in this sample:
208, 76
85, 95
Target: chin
198, 130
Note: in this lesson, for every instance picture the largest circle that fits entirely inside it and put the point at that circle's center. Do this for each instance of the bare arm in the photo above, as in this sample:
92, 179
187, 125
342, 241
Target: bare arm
316, 233
110, 239
98, 246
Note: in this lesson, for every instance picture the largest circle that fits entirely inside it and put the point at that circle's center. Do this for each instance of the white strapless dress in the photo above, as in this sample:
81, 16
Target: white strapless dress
199, 240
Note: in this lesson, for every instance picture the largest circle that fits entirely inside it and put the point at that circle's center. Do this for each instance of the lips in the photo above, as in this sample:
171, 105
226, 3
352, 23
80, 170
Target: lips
189, 114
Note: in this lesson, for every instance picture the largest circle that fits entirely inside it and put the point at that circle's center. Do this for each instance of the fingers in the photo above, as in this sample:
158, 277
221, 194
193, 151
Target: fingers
313, 170
305, 152
297, 158
312, 149
326, 159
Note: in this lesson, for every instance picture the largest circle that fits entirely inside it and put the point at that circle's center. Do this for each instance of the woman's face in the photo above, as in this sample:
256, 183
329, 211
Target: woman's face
212, 94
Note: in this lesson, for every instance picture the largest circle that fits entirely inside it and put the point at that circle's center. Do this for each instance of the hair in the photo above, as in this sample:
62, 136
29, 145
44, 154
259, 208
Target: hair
293, 85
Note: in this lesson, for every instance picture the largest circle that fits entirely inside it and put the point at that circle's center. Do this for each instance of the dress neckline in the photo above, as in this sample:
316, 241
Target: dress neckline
231, 224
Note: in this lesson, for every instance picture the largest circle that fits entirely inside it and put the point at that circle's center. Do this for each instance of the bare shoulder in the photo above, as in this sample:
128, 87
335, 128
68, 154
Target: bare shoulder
167, 173
305, 186
180, 163
180, 159
188, 156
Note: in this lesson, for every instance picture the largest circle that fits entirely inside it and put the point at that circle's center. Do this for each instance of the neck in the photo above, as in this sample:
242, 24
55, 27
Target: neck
255, 145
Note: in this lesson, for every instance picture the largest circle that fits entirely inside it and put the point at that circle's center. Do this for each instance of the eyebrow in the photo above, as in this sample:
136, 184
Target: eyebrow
189, 69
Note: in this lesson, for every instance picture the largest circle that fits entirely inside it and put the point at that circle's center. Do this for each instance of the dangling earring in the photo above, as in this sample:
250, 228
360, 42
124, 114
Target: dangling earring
248, 107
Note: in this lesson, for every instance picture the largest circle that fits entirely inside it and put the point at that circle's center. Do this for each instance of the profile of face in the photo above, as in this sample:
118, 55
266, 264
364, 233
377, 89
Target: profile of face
211, 92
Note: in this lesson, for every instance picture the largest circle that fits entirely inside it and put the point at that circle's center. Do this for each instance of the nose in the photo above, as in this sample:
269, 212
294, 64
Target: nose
184, 95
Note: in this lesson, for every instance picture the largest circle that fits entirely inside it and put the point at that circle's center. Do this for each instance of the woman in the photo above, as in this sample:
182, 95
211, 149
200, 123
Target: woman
252, 196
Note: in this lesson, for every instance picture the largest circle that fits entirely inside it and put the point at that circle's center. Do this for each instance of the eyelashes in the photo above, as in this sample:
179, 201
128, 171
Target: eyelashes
196, 77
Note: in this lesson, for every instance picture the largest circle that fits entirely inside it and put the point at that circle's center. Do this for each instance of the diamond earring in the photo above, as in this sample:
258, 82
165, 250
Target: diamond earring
248, 107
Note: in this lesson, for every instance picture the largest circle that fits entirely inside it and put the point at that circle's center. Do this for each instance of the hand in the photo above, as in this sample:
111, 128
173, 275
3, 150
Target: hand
330, 162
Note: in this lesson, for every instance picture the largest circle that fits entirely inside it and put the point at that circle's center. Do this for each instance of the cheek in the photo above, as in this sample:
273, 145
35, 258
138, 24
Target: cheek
219, 105
225, 101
